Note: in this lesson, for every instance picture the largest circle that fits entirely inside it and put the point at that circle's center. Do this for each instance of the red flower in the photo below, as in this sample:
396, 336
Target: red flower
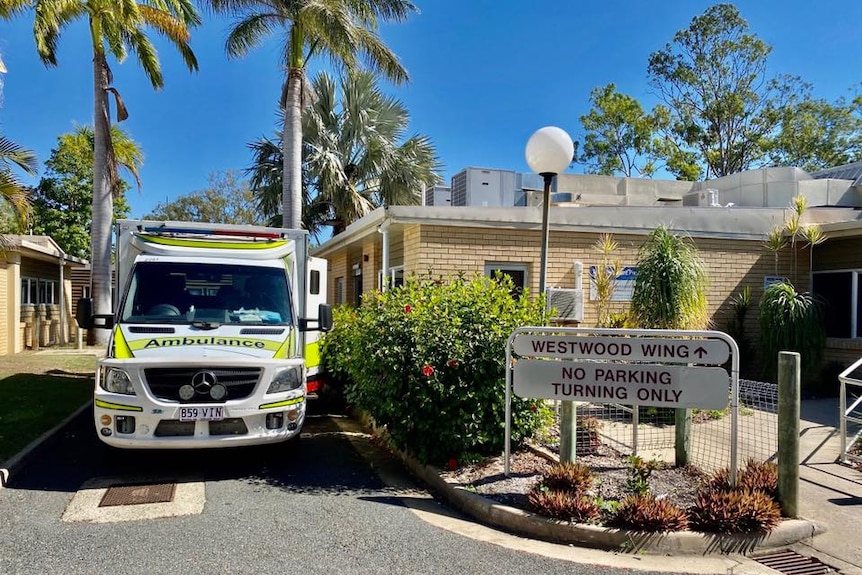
407, 308
452, 464
534, 407
427, 371
452, 363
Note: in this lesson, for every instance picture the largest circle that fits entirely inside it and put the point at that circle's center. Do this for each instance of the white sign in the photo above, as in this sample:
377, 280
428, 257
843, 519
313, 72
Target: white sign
629, 384
623, 288
664, 350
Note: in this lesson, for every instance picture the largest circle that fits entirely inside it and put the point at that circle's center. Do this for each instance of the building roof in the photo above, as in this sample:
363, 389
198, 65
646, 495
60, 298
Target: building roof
846, 172
40, 247
700, 222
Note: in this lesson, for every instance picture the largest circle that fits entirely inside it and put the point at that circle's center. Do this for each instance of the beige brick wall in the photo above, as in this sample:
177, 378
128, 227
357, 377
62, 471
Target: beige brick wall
370, 263
730, 264
338, 268
10, 322
444, 251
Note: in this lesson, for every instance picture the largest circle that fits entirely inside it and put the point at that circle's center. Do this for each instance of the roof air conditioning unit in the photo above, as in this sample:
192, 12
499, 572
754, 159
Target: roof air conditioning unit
566, 304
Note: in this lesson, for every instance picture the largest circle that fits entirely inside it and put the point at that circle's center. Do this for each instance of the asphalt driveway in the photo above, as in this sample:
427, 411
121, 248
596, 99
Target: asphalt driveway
312, 506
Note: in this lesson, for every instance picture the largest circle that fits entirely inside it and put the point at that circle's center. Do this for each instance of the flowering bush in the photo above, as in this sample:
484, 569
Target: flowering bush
426, 360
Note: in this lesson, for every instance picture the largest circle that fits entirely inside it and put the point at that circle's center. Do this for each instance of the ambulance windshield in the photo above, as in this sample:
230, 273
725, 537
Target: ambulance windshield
182, 292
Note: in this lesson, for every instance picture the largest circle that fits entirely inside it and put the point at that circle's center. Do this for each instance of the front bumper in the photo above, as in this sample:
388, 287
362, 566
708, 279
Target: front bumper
143, 421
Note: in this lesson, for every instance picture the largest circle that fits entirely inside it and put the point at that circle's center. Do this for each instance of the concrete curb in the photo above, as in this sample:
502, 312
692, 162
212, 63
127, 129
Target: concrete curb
17, 461
518, 521
675, 543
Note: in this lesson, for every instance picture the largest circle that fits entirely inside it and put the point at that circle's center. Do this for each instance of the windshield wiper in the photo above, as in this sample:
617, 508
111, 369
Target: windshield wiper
201, 324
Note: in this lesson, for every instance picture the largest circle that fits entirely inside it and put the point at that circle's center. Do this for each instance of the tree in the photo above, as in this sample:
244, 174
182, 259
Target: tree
116, 27
670, 284
791, 321
620, 135
357, 156
813, 133
713, 79
343, 30
227, 200
63, 199
13, 193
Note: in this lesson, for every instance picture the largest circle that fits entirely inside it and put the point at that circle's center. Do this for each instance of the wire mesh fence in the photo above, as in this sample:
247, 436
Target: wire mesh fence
650, 432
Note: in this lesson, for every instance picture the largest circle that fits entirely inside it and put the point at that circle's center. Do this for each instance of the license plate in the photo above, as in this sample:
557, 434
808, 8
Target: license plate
209, 413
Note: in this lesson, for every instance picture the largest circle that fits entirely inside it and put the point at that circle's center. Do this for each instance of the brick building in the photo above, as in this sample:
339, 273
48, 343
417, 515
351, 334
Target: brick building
36, 296
398, 241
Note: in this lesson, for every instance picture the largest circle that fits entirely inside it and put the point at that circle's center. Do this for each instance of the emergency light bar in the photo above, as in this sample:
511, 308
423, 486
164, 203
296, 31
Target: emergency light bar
214, 231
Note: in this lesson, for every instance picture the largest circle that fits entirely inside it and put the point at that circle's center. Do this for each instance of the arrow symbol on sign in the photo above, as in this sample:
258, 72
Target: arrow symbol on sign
700, 352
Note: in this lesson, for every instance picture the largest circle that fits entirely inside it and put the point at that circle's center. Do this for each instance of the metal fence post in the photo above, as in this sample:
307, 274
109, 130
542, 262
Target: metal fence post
568, 432
682, 433
789, 377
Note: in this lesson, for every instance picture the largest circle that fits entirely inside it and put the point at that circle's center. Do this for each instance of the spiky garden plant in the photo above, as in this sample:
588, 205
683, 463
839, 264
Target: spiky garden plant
563, 505
670, 285
735, 511
647, 513
575, 478
791, 321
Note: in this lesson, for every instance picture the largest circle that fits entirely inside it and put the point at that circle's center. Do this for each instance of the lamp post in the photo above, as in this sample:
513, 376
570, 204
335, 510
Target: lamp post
549, 151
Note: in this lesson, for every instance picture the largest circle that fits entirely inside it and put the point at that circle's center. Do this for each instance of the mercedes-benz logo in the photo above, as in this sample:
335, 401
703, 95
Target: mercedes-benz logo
203, 382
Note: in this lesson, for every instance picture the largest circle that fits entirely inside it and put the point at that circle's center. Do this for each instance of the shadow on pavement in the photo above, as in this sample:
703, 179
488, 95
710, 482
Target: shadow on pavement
321, 462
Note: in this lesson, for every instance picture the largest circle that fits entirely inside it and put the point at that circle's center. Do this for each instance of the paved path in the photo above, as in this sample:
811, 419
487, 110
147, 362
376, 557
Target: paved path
829, 493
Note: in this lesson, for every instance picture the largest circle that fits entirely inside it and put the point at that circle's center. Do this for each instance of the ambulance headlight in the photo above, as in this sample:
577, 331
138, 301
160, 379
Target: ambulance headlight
116, 381
286, 380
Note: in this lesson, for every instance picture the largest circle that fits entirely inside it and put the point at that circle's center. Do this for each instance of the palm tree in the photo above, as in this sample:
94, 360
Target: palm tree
116, 27
12, 190
355, 154
343, 30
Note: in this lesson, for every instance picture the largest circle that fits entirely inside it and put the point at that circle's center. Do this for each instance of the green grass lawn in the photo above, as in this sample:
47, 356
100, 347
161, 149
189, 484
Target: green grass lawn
38, 391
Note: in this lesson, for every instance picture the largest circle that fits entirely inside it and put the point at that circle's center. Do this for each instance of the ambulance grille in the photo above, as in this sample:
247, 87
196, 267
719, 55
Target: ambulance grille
165, 382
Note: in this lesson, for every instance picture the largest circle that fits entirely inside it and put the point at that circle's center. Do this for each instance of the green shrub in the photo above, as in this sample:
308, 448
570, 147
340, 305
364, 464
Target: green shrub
639, 472
336, 350
646, 513
575, 478
734, 511
670, 285
426, 360
563, 505
791, 321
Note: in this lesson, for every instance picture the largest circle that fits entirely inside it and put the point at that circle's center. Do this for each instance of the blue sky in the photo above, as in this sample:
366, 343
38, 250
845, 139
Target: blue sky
484, 75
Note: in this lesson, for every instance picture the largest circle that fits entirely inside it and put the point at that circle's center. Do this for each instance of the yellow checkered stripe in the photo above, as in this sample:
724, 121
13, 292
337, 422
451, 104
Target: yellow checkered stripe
285, 403
117, 406
225, 245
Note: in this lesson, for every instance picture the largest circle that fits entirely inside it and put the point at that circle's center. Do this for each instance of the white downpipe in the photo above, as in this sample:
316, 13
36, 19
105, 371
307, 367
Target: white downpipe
384, 231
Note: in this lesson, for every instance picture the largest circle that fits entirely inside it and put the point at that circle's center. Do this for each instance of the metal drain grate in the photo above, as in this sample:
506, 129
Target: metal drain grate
793, 563
138, 494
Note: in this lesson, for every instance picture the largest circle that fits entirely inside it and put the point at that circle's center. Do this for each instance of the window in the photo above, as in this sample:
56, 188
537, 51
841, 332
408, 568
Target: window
840, 293
167, 292
518, 273
38, 291
314, 284
339, 290
396, 277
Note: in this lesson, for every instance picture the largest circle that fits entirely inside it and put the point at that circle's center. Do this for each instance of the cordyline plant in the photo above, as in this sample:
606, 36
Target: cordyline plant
426, 360
670, 285
791, 321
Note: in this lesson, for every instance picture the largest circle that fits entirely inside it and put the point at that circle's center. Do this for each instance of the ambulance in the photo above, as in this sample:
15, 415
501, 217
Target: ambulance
214, 335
